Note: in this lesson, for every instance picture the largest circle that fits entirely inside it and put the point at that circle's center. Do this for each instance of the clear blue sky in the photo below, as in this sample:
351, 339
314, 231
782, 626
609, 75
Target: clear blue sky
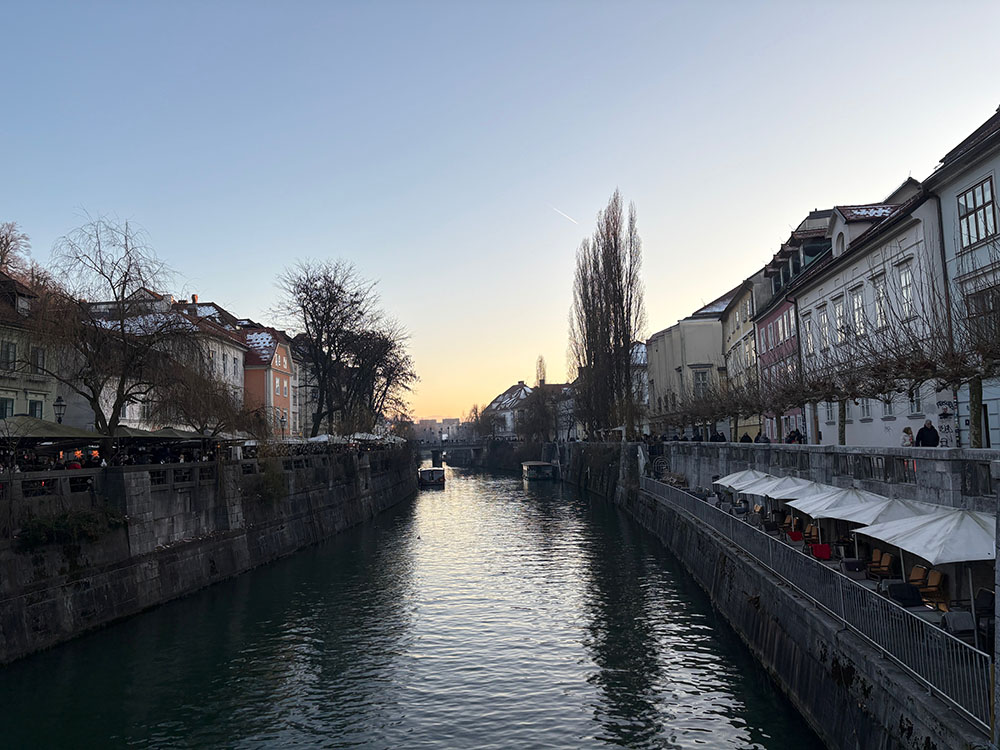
429, 142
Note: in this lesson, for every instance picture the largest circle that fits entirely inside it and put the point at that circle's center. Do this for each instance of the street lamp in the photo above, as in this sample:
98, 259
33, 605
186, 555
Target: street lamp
60, 409
284, 422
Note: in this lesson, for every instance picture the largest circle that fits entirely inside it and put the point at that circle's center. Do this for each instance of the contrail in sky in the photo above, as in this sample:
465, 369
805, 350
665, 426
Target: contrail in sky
565, 216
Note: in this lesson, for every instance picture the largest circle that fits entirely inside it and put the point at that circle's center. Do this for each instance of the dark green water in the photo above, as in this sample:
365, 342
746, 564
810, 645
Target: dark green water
488, 615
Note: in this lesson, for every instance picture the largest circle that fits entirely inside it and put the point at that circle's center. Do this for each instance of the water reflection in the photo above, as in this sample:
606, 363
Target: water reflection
490, 614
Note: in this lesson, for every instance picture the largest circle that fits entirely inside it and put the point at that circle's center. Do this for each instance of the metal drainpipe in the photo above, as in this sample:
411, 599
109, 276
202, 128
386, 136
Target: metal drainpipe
947, 303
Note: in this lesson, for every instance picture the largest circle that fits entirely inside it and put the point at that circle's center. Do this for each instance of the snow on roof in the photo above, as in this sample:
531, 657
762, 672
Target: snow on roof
145, 325
867, 212
510, 398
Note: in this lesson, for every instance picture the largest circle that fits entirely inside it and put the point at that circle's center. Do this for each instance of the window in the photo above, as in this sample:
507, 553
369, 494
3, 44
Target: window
840, 244
829, 411
791, 324
6, 407
915, 406
881, 303
286, 388
824, 329
235, 367
700, 384
8, 355
906, 291
838, 320
865, 407
975, 213
124, 411
888, 409
211, 361
277, 386
37, 360
848, 411
858, 310
807, 332
35, 409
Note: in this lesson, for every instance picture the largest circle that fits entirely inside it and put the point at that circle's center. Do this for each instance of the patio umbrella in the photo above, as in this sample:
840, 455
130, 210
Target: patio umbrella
23, 427
737, 480
947, 536
834, 497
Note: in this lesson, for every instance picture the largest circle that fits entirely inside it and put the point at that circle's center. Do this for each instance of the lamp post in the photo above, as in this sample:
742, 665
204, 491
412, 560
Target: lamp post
60, 409
284, 422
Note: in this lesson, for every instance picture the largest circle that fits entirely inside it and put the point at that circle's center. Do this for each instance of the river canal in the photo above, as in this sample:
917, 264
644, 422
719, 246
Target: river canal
490, 614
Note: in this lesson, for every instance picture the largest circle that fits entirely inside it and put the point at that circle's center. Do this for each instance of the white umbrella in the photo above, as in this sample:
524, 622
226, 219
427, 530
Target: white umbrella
834, 497
777, 487
876, 512
740, 479
946, 536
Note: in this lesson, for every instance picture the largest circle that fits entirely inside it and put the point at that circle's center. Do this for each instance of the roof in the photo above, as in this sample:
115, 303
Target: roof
716, 307
979, 136
261, 343
510, 398
209, 310
867, 211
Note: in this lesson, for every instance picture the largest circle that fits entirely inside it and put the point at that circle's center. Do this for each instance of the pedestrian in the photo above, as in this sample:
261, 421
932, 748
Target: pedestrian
746, 438
761, 438
907, 440
927, 436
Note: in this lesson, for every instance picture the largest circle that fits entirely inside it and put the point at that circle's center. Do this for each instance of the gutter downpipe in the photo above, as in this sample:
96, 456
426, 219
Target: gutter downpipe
947, 303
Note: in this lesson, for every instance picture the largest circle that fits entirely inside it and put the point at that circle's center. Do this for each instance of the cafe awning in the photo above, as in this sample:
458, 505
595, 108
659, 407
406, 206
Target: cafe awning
737, 480
947, 536
877, 512
834, 497
22, 427
778, 488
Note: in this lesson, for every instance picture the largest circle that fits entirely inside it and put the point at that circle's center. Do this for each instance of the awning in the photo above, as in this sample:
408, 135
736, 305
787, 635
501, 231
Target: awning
171, 433
834, 497
740, 479
778, 488
23, 427
948, 536
877, 512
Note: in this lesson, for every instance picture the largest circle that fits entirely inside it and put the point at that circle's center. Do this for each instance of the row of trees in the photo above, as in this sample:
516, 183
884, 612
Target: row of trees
109, 339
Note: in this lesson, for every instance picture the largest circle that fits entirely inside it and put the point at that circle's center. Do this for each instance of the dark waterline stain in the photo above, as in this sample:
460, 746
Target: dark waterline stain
492, 614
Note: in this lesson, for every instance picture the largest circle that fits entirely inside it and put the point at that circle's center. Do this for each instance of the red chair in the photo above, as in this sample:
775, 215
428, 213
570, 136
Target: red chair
795, 536
821, 551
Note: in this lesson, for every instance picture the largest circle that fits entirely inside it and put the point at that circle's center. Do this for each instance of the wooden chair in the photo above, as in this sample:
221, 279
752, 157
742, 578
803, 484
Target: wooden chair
885, 570
934, 592
812, 534
876, 558
918, 576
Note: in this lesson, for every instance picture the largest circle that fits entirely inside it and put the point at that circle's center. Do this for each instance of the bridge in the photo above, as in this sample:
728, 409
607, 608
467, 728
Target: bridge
458, 452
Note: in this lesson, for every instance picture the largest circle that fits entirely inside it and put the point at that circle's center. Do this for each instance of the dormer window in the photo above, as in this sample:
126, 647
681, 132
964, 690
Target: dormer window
23, 305
840, 244
975, 213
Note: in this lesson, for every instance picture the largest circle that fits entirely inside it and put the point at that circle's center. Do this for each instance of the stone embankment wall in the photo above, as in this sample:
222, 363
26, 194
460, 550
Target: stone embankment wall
849, 694
134, 537
955, 477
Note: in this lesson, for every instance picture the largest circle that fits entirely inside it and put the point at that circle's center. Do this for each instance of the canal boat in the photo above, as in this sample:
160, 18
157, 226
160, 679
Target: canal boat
537, 470
433, 477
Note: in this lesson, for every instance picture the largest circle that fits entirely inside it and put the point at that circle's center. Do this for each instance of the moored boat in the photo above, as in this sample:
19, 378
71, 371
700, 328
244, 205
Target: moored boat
432, 477
537, 470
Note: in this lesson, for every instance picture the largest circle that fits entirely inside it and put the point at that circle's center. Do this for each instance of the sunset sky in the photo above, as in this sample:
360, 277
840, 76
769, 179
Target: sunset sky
459, 151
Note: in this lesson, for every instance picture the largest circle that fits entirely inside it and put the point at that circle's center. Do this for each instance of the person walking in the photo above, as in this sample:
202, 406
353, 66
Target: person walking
907, 439
927, 436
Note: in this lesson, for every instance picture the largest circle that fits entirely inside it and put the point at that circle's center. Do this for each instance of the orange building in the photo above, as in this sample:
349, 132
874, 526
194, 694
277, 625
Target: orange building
269, 377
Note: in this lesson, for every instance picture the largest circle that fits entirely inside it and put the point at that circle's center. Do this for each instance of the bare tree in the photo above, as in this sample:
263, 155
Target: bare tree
110, 337
15, 247
356, 361
607, 318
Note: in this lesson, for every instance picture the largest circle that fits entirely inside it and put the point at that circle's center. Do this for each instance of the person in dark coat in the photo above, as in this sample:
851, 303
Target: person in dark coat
761, 438
927, 436
746, 438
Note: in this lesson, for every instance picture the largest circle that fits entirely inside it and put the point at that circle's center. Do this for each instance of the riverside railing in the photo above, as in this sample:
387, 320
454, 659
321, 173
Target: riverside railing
950, 668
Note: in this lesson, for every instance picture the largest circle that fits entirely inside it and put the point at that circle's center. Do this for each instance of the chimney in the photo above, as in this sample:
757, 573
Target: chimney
541, 381
194, 298
520, 382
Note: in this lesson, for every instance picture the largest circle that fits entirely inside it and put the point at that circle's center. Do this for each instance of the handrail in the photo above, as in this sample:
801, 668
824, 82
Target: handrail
950, 668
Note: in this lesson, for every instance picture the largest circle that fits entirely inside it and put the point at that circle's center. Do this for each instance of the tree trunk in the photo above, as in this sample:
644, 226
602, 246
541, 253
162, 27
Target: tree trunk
976, 412
734, 428
814, 438
842, 422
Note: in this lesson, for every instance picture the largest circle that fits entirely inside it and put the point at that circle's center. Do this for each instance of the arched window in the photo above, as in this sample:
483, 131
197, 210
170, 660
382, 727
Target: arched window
840, 244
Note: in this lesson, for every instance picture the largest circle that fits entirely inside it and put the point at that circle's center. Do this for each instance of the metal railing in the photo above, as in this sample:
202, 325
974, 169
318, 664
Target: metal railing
950, 668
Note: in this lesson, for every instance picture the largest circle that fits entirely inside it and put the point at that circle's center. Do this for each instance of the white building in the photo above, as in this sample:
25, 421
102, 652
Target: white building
871, 293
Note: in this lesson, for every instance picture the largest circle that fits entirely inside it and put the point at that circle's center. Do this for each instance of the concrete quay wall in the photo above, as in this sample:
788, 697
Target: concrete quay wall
175, 537
846, 690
